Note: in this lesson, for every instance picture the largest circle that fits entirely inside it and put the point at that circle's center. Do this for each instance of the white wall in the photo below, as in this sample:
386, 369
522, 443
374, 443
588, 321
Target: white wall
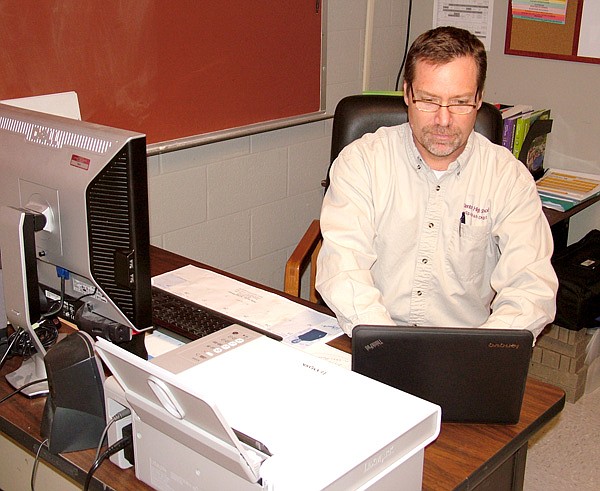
568, 88
242, 205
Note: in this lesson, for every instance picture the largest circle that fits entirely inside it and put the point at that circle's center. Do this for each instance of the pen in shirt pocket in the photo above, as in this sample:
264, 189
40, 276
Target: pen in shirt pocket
462, 222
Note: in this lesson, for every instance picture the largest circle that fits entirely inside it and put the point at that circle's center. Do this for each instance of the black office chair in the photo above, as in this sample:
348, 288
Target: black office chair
354, 117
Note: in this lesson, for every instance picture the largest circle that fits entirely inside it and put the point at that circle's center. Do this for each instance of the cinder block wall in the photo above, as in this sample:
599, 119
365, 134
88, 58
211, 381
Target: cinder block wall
243, 204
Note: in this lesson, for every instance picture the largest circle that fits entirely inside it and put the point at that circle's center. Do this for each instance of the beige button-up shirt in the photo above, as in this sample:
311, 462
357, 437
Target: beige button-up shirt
401, 246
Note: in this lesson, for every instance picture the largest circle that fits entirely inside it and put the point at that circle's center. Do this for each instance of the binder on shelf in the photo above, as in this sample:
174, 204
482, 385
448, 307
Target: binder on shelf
534, 146
522, 126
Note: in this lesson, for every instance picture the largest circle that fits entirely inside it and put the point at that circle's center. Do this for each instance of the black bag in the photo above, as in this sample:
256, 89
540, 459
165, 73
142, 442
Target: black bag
578, 271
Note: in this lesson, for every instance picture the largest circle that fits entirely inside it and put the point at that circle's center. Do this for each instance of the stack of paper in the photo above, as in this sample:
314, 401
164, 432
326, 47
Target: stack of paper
561, 189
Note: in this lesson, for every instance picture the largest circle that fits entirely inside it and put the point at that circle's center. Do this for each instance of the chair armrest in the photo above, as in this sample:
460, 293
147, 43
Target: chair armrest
305, 252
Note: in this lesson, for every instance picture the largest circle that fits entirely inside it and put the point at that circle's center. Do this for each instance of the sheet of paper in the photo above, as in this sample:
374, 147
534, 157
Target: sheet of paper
475, 16
159, 343
296, 324
331, 354
589, 36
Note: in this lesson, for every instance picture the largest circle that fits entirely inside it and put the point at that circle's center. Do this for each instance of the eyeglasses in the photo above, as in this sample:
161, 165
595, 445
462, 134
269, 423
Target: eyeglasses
428, 106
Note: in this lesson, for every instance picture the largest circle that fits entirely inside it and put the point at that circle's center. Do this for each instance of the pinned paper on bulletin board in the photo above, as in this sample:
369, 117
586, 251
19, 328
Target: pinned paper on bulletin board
556, 29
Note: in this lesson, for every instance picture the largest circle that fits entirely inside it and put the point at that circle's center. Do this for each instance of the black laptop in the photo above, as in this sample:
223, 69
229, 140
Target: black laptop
476, 375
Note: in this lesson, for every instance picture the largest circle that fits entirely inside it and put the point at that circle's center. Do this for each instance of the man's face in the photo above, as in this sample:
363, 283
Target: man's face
441, 136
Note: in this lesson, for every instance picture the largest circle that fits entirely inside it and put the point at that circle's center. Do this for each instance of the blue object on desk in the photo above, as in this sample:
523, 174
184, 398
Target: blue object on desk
311, 335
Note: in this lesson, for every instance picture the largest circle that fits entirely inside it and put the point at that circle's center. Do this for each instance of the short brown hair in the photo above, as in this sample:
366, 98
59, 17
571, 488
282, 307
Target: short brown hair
442, 45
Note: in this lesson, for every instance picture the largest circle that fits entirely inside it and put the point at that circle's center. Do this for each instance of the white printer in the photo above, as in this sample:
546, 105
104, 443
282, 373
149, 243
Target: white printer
238, 410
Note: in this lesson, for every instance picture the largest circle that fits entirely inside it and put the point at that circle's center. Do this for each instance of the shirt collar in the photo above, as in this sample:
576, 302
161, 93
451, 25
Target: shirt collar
419, 164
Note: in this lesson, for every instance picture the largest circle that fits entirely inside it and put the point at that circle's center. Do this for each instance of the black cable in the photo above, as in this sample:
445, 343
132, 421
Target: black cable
117, 417
7, 354
21, 344
91, 294
60, 302
47, 333
8, 396
405, 45
113, 449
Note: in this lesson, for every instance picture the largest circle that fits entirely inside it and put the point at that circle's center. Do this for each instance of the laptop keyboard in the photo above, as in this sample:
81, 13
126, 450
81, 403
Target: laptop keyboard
184, 317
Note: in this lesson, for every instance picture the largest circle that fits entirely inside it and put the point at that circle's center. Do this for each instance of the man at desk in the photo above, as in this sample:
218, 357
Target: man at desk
429, 223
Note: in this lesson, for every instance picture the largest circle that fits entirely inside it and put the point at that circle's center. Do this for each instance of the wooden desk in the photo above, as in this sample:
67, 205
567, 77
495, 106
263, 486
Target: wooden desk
559, 222
463, 457
486, 457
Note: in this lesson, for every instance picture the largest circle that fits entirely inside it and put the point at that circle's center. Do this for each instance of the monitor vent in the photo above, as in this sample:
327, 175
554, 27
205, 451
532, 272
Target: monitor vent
52, 137
109, 228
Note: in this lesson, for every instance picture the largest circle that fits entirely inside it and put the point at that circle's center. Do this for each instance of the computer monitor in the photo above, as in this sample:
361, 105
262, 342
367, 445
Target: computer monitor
73, 204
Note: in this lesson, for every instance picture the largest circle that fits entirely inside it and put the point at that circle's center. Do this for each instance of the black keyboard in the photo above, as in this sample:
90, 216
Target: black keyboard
190, 319
183, 317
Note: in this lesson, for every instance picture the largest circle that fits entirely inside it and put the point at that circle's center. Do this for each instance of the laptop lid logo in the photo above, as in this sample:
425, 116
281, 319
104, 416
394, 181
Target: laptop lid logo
373, 345
504, 345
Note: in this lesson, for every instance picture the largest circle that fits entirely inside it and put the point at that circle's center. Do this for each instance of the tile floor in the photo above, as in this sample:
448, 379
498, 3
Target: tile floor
566, 454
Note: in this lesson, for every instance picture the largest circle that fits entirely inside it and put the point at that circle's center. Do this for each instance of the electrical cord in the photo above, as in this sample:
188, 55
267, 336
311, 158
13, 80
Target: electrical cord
113, 449
405, 45
47, 333
120, 415
35, 464
91, 294
8, 396
7, 354
59, 304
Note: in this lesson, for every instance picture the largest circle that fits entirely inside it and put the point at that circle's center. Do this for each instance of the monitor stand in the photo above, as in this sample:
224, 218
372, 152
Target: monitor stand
21, 298
30, 370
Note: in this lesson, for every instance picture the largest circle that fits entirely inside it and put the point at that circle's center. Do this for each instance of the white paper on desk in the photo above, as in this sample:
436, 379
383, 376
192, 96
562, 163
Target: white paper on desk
159, 343
248, 304
331, 354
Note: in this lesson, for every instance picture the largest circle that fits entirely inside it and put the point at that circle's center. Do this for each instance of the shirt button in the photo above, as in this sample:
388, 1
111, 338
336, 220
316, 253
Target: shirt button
419, 293
438, 187
430, 225
419, 167
424, 260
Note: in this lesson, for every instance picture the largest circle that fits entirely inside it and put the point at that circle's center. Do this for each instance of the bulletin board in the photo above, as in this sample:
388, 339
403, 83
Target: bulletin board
552, 40
170, 70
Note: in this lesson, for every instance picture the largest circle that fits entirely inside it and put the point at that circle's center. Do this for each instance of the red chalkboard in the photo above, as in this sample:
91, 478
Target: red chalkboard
167, 69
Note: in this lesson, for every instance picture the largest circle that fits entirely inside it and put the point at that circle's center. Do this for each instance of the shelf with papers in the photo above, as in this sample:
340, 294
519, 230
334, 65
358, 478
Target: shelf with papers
563, 189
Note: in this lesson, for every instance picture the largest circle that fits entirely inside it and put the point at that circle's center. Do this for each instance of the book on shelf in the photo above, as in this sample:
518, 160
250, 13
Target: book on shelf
525, 133
510, 116
522, 125
508, 131
510, 111
563, 189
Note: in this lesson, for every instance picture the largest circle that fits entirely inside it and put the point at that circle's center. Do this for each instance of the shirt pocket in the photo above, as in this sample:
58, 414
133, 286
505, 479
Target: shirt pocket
469, 252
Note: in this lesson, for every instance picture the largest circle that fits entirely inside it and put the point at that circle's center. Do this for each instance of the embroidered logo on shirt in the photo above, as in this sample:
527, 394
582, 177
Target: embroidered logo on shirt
476, 212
